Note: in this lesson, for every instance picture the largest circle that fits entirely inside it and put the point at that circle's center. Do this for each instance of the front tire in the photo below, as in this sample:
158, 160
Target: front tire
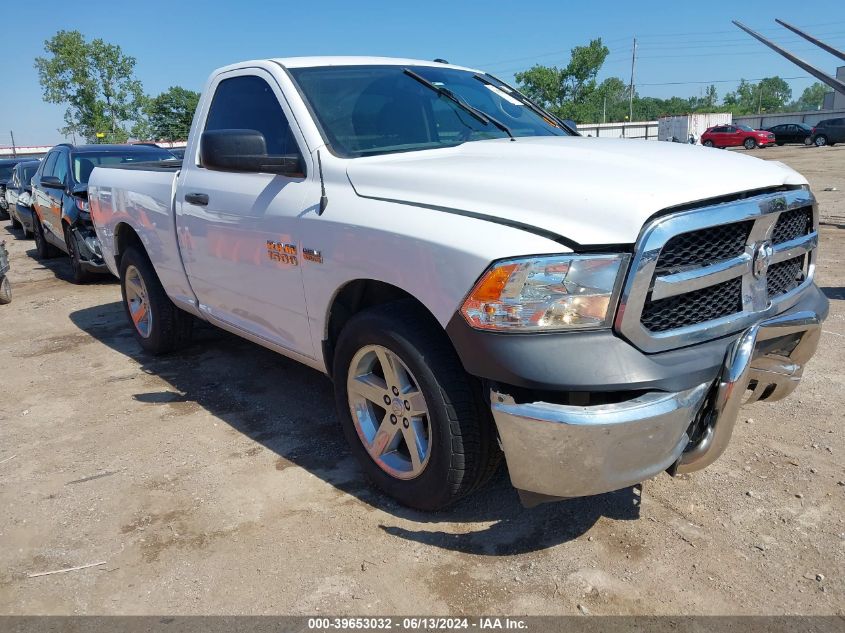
749, 143
15, 222
400, 387
159, 326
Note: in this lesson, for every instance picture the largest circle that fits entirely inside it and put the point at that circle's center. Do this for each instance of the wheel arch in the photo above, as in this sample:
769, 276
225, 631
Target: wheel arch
356, 296
125, 236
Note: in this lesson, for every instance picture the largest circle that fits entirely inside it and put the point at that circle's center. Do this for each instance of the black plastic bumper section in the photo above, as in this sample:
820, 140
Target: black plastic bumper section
596, 361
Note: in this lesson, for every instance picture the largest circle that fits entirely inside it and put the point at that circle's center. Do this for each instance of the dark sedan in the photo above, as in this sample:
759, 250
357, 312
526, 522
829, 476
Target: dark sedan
6, 167
19, 196
792, 133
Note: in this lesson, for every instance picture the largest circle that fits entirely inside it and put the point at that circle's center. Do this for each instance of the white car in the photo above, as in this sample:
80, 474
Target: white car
474, 276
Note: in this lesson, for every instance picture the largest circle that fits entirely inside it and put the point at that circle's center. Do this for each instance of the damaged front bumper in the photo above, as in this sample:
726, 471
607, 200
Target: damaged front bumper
88, 247
557, 450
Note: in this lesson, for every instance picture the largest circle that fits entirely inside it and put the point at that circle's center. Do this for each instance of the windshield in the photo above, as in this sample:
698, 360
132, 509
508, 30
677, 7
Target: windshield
28, 173
745, 128
367, 110
84, 163
6, 171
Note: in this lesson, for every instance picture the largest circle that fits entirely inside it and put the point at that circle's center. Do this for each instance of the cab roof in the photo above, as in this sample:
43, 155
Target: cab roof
310, 62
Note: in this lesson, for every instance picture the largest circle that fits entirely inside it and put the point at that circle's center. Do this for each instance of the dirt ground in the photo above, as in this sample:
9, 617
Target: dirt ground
217, 481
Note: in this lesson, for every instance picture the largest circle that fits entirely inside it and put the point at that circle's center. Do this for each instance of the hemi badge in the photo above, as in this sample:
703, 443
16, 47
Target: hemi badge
312, 255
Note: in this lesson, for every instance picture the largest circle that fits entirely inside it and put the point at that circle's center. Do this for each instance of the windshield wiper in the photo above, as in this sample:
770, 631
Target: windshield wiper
516, 94
477, 114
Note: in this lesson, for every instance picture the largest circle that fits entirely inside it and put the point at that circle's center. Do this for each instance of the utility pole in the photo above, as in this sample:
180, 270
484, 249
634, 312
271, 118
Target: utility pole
604, 111
760, 99
631, 86
14, 151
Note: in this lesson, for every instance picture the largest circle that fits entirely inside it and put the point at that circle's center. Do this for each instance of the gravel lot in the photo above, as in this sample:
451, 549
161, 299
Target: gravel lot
217, 481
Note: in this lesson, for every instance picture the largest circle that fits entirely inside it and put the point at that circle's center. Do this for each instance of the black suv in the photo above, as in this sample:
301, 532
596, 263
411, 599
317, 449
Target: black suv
829, 132
60, 200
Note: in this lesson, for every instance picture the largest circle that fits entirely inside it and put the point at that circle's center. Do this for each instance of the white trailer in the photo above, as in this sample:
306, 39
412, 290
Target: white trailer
679, 128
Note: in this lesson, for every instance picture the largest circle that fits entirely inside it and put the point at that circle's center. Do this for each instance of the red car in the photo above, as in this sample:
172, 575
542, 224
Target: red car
736, 136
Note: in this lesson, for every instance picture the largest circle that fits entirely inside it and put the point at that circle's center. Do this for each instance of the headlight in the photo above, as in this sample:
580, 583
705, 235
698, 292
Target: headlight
559, 292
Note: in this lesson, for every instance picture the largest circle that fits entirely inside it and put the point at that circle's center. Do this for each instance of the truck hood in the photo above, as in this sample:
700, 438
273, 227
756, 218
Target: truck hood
588, 190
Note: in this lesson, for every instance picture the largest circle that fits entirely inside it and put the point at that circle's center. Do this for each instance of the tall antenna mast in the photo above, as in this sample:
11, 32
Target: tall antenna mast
631, 86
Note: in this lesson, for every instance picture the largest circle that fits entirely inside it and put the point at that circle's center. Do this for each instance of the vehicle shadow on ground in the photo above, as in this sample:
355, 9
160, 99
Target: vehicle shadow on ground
834, 293
60, 267
289, 409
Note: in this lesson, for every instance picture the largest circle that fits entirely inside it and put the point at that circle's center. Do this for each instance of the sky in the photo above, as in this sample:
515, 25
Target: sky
681, 46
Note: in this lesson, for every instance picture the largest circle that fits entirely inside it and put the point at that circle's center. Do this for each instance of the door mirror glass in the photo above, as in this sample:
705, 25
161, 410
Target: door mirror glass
245, 151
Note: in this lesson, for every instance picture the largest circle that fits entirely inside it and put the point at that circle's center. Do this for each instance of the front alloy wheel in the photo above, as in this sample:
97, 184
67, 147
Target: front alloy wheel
389, 412
750, 143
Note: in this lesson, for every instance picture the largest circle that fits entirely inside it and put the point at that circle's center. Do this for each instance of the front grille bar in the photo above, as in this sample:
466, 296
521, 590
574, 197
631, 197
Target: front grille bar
772, 216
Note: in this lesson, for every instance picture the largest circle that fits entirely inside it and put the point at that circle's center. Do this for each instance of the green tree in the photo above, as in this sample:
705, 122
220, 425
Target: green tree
95, 80
170, 113
812, 98
567, 91
770, 95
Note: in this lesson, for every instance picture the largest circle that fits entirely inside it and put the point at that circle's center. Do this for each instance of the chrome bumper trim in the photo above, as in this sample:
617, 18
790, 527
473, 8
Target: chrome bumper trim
571, 451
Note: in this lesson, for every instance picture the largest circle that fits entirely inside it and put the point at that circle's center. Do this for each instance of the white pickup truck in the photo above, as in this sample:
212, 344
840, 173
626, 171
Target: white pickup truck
475, 277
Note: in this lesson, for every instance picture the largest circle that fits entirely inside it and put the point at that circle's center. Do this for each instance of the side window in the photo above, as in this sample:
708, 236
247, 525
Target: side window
61, 167
49, 164
719, 130
248, 103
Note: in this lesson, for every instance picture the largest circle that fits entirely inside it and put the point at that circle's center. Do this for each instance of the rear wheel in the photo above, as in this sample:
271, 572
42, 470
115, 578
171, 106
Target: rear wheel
749, 143
820, 140
708, 143
781, 143
43, 248
159, 326
80, 275
408, 409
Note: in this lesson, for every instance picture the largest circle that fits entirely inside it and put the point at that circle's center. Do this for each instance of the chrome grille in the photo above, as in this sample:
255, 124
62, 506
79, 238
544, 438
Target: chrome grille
785, 276
704, 247
707, 272
792, 224
693, 307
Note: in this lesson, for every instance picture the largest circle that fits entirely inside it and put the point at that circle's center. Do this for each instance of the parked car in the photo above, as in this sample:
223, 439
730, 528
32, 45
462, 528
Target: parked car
19, 196
736, 136
829, 132
7, 165
60, 200
471, 273
791, 133
178, 152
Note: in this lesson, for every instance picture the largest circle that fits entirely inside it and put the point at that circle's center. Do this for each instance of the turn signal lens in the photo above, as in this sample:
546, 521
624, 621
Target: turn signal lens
560, 292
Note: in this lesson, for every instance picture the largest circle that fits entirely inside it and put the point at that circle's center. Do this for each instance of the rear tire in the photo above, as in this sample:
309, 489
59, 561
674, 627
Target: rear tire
43, 249
820, 140
708, 143
460, 451
159, 326
5, 291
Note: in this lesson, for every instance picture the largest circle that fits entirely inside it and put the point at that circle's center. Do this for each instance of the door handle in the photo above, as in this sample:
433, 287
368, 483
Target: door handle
197, 198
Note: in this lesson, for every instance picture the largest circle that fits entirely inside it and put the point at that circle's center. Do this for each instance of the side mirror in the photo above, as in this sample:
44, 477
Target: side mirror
571, 125
244, 151
52, 182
